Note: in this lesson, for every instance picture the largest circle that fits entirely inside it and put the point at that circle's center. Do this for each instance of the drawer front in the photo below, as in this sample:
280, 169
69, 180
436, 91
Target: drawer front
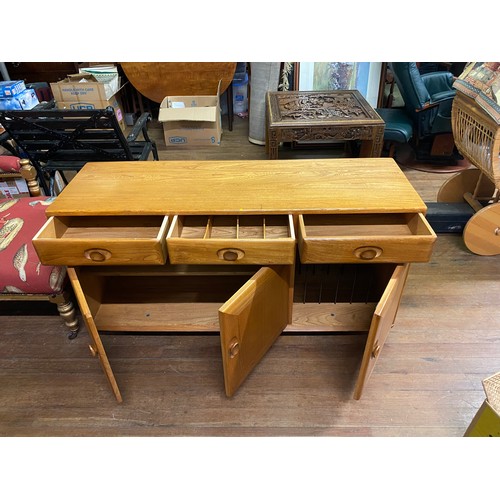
191, 241
102, 241
365, 238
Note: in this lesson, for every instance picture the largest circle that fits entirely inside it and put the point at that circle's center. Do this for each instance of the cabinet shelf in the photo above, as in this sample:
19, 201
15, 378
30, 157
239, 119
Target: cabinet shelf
337, 297
159, 301
181, 298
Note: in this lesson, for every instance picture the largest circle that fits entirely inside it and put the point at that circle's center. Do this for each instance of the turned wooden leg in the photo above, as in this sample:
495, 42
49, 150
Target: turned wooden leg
67, 312
29, 174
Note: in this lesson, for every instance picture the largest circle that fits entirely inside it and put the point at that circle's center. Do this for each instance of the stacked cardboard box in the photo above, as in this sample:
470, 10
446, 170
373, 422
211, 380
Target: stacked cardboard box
90, 90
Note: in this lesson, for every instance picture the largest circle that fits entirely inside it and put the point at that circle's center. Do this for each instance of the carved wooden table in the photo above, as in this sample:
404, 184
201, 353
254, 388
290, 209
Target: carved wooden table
322, 115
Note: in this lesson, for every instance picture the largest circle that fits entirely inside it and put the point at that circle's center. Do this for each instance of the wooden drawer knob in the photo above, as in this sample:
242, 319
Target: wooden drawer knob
230, 254
97, 254
234, 347
368, 253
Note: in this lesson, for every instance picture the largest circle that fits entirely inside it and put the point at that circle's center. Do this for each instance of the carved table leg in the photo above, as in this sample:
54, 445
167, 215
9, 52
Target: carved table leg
372, 148
267, 134
272, 143
67, 312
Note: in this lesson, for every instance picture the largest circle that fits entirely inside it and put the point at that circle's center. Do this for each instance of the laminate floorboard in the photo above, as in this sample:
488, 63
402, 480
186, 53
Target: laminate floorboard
427, 382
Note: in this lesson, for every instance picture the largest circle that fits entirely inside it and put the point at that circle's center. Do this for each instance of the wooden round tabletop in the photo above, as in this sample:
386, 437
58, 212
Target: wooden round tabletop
158, 80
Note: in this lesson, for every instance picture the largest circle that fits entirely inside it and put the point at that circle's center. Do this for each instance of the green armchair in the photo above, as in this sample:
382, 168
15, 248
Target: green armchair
428, 100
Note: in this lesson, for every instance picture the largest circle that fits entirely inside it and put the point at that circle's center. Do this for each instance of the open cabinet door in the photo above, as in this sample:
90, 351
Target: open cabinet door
250, 321
96, 347
382, 322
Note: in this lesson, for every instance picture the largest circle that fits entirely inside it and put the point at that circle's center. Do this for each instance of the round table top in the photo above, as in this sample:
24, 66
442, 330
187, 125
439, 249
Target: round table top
156, 80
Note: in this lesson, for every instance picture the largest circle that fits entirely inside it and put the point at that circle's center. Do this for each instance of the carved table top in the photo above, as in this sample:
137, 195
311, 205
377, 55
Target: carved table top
320, 107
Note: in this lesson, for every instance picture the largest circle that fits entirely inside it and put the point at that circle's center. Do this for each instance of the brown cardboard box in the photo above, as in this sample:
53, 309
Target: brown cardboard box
13, 186
114, 102
73, 89
191, 120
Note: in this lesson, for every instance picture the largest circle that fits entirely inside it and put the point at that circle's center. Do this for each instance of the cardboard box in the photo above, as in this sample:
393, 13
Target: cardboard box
84, 88
114, 102
27, 99
13, 186
191, 120
11, 88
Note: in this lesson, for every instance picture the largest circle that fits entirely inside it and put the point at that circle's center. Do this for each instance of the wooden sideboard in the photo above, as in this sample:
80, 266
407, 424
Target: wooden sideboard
245, 248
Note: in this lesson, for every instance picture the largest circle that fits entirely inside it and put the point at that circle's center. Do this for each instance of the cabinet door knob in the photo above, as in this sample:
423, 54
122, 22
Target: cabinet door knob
93, 351
234, 347
368, 253
230, 254
97, 254
376, 350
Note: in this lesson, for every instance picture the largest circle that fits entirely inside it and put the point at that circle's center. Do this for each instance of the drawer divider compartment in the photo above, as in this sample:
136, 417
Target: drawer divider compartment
229, 239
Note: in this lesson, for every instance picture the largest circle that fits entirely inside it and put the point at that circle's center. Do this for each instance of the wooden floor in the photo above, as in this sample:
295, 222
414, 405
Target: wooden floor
427, 381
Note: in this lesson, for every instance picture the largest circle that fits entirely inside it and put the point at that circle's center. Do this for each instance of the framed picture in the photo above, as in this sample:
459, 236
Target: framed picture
289, 76
363, 76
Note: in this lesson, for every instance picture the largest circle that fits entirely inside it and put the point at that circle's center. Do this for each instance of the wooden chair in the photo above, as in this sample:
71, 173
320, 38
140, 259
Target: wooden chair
62, 139
22, 276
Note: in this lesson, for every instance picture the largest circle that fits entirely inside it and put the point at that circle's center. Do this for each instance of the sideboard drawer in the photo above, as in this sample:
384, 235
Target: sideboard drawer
82, 241
365, 238
231, 239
